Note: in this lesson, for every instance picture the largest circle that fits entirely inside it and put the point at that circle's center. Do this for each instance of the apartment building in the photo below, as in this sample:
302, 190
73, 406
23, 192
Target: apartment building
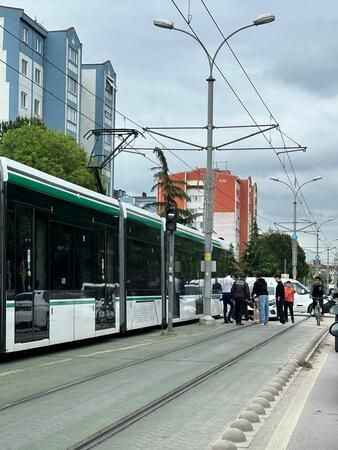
42, 76
98, 101
234, 206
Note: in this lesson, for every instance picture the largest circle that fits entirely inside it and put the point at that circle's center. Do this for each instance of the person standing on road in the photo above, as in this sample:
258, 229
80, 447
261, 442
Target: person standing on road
227, 283
289, 299
280, 299
260, 290
240, 293
318, 293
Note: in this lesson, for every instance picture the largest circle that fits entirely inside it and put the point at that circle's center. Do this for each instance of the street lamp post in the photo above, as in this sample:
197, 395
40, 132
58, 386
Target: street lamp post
318, 228
208, 213
295, 191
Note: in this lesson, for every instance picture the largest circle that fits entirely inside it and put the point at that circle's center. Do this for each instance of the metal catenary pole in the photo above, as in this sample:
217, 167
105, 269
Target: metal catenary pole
171, 279
294, 240
209, 216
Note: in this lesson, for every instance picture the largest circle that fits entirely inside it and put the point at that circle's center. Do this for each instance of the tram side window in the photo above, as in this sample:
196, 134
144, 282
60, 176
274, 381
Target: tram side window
189, 254
84, 266
62, 248
24, 222
143, 260
41, 257
10, 254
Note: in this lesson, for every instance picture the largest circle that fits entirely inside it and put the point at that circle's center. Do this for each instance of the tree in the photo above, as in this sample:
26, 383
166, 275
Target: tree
266, 253
47, 150
18, 123
171, 191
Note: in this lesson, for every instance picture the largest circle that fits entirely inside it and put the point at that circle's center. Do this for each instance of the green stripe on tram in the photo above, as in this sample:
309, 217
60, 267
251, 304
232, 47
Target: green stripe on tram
144, 298
71, 302
154, 223
61, 194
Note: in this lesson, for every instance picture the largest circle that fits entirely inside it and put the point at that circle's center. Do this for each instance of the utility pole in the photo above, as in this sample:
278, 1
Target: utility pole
295, 189
294, 242
171, 219
208, 215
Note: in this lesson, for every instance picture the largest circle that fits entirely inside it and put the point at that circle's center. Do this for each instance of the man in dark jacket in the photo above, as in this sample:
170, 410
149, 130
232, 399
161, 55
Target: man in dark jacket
318, 293
260, 290
280, 299
240, 294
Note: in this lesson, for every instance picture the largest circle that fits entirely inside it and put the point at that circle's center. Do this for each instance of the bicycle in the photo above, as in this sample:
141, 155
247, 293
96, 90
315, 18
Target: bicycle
316, 310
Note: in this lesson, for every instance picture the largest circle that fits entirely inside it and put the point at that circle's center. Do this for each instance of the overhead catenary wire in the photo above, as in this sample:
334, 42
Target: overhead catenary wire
282, 134
242, 102
305, 205
90, 119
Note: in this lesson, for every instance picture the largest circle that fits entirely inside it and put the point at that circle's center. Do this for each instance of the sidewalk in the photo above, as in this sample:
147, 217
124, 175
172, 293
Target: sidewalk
317, 427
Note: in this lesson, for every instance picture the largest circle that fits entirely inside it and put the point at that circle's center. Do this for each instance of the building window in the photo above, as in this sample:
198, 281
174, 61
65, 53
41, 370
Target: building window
108, 114
24, 100
37, 76
37, 108
38, 45
24, 67
73, 56
72, 115
25, 35
72, 86
109, 86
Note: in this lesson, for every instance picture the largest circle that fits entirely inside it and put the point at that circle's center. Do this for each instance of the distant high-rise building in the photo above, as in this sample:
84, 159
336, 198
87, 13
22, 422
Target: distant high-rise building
42, 76
235, 204
98, 101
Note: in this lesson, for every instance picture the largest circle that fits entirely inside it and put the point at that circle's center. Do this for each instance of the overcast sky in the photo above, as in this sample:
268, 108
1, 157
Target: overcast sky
161, 82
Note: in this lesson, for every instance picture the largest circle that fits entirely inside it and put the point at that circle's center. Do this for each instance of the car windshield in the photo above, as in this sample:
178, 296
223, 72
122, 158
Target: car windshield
299, 288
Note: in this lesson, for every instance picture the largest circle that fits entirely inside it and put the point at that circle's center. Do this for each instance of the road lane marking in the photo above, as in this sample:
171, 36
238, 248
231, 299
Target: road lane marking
59, 361
11, 372
120, 349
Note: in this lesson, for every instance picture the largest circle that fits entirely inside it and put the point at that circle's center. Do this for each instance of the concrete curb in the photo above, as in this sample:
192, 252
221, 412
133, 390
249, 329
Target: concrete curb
239, 433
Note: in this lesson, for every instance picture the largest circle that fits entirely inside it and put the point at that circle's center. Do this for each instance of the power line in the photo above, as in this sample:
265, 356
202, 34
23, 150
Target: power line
61, 100
282, 134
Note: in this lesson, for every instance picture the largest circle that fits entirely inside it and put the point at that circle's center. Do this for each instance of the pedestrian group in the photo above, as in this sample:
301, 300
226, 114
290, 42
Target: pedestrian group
236, 298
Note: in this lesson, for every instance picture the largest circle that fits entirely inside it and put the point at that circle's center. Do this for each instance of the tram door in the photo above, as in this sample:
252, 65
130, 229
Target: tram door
105, 290
27, 255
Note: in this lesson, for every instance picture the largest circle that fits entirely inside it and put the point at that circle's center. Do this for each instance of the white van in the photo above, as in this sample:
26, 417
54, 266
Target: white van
302, 295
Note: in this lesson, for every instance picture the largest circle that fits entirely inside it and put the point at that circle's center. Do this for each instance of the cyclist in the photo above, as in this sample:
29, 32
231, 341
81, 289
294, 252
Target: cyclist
318, 294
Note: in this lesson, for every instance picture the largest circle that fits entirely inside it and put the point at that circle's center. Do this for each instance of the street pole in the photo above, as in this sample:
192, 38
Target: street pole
317, 246
328, 270
209, 216
171, 279
294, 242
163, 276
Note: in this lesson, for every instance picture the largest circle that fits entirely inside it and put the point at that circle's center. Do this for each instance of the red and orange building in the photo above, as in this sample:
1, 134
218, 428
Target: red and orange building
235, 204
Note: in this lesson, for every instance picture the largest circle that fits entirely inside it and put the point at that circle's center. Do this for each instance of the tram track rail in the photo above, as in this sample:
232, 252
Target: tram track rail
112, 370
106, 433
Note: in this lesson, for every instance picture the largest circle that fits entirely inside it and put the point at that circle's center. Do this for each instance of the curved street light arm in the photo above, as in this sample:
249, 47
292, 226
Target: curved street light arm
226, 40
286, 184
302, 185
210, 59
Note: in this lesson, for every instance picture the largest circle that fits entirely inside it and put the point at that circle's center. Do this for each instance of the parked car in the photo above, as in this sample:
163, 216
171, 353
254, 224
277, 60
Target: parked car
302, 301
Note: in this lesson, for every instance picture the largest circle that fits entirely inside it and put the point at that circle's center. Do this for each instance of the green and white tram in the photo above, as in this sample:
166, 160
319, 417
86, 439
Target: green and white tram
76, 264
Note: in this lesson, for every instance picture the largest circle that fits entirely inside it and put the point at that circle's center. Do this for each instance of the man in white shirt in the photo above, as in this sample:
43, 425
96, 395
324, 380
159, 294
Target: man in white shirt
227, 283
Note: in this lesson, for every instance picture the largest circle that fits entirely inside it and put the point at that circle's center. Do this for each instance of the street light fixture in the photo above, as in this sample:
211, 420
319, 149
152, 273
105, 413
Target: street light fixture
164, 24
265, 18
295, 191
208, 213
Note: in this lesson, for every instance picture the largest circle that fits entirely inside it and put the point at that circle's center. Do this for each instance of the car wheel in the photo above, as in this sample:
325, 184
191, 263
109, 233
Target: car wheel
310, 310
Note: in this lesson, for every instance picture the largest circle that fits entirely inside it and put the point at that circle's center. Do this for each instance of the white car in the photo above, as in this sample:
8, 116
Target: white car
302, 295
